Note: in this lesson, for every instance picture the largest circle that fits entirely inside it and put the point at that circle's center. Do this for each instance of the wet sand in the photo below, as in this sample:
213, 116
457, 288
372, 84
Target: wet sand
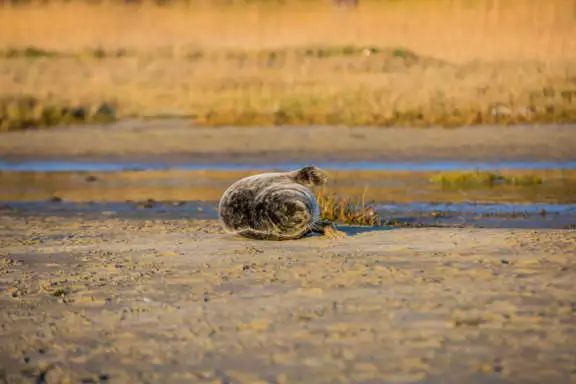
178, 140
172, 301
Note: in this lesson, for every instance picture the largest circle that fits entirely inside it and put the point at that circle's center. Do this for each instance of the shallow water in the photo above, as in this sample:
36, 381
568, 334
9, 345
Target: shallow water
60, 166
116, 184
528, 209
557, 216
527, 216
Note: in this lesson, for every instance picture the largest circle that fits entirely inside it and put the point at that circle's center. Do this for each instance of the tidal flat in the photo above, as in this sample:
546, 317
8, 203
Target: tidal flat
148, 300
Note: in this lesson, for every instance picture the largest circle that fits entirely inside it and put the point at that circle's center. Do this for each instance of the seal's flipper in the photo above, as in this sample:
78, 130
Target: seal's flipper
320, 226
328, 229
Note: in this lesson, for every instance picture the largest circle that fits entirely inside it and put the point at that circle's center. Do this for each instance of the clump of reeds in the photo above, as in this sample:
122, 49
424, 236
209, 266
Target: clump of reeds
28, 112
347, 210
478, 178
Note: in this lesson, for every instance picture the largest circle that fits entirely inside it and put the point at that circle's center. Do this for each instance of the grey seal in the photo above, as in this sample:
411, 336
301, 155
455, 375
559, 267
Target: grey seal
275, 206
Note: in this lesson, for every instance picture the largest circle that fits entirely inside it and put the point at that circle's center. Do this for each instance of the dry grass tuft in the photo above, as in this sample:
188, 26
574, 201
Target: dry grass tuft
347, 210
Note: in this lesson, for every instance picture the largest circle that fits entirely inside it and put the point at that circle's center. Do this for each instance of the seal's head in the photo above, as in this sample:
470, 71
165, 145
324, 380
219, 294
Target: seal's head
309, 176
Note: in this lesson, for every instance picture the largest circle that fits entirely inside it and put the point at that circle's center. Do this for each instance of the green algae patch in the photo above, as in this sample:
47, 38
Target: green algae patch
478, 178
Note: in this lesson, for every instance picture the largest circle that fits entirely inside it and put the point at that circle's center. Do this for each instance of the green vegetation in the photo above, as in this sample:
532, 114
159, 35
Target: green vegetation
32, 52
474, 322
27, 112
28, 52
353, 50
474, 179
347, 210
314, 52
101, 53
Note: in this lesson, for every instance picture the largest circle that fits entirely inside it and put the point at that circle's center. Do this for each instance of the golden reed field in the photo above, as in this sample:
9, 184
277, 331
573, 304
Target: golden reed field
383, 63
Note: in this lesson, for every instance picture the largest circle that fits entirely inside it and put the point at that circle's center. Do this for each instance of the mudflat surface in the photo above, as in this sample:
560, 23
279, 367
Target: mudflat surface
115, 300
179, 140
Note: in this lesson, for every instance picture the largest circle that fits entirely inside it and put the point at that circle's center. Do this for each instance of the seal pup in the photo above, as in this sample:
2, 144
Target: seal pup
275, 206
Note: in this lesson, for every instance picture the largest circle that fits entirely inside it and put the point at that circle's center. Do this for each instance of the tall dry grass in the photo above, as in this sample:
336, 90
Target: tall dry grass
455, 30
410, 62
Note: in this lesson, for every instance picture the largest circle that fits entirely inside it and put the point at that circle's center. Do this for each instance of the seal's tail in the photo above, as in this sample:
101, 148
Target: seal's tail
309, 176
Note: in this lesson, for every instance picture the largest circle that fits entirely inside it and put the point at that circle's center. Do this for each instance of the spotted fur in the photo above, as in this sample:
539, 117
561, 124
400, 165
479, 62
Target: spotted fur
273, 206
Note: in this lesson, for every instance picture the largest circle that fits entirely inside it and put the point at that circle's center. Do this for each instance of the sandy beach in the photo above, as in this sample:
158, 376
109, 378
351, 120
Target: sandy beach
119, 300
